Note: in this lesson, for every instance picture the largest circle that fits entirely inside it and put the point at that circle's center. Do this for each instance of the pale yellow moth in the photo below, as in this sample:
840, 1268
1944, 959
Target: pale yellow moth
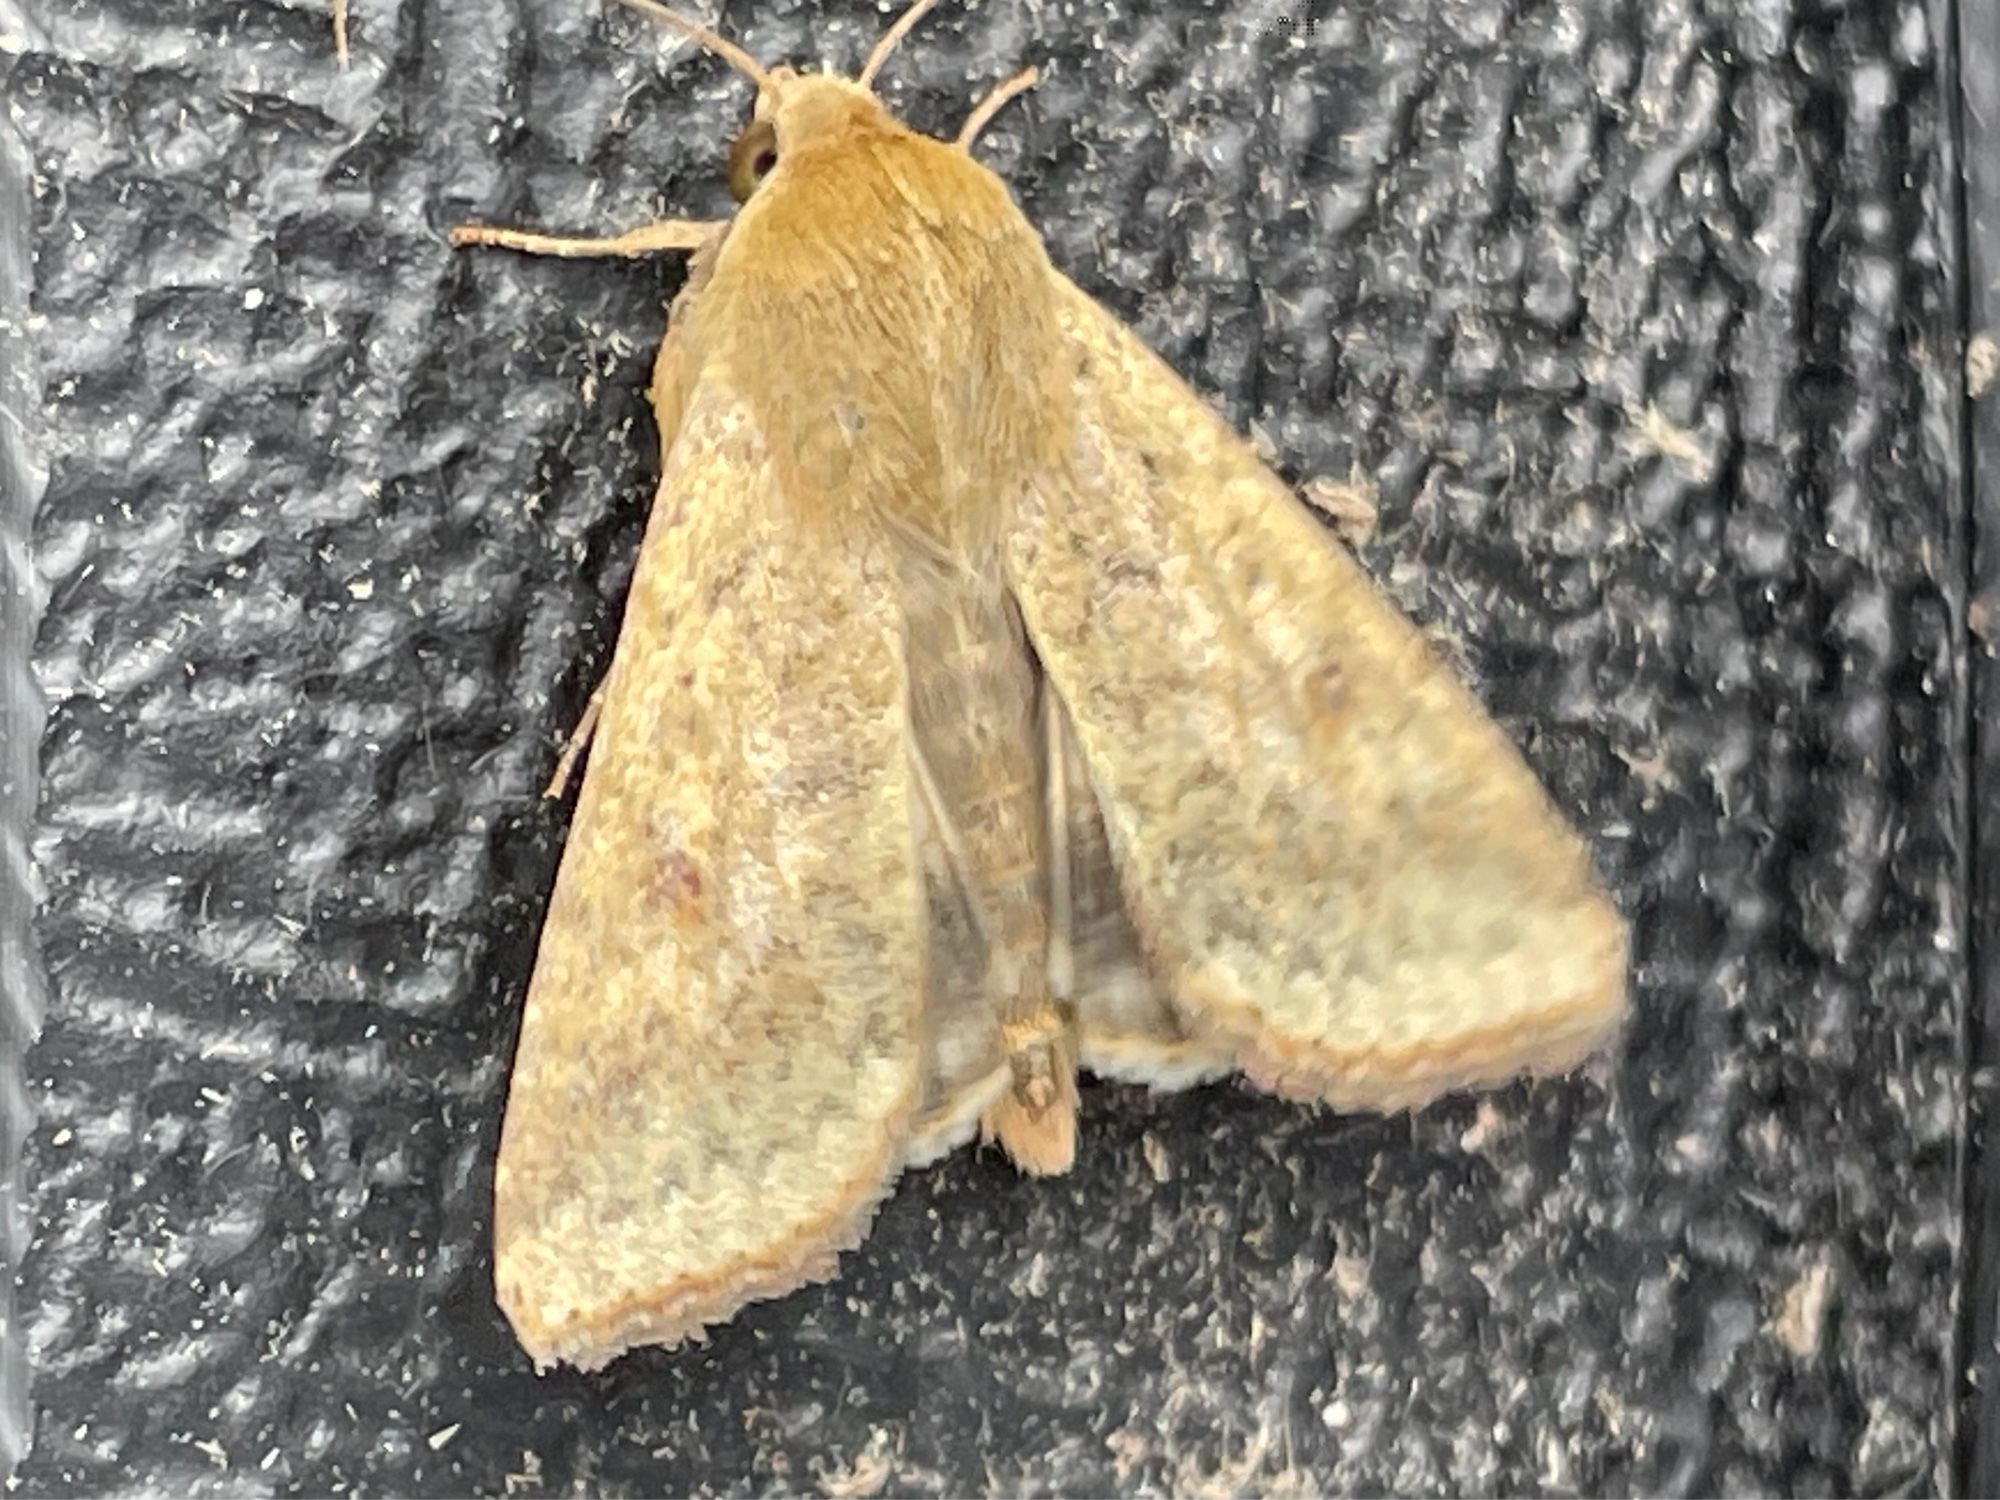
983, 709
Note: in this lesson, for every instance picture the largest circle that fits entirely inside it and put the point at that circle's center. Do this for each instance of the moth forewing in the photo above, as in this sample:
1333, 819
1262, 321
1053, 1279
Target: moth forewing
733, 947
1342, 869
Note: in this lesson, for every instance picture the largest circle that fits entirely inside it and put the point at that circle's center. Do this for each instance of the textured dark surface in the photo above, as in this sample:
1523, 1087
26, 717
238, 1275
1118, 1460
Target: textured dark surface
1978, 67
20, 729
1637, 313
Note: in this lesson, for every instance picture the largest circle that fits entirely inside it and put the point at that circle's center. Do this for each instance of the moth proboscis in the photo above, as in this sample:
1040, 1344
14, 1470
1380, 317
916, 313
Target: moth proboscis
983, 710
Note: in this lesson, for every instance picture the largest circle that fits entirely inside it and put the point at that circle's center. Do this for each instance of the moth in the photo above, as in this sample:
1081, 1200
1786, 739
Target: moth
983, 711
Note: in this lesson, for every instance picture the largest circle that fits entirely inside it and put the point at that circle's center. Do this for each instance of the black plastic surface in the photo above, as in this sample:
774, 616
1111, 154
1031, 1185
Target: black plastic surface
1977, 65
21, 995
1639, 314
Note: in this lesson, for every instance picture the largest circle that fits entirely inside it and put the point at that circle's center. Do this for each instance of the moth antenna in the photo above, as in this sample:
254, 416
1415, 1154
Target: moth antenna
993, 103
695, 32
890, 37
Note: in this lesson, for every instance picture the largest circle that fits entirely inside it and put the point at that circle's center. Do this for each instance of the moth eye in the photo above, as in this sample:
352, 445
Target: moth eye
751, 159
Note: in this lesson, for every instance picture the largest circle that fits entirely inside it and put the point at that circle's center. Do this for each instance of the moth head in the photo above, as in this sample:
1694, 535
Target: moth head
793, 109
796, 110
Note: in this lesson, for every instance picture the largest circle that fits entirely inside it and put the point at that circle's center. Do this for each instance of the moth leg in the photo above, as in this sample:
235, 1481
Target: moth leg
983, 113
579, 737
647, 239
